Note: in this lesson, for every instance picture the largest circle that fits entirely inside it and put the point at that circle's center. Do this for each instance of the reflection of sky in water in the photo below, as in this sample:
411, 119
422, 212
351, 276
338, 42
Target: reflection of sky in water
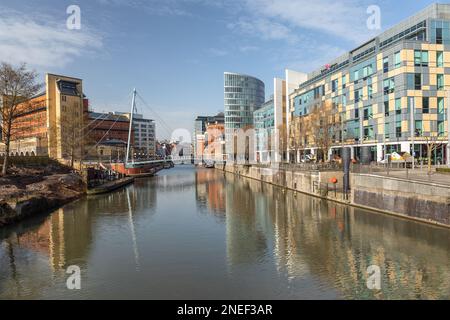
190, 234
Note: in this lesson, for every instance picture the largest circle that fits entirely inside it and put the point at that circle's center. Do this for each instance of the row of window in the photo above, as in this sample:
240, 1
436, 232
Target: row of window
368, 110
421, 59
368, 131
403, 34
415, 81
440, 34
238, 114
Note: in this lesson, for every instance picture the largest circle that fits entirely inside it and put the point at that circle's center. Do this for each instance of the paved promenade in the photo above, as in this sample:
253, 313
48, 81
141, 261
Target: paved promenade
418, 175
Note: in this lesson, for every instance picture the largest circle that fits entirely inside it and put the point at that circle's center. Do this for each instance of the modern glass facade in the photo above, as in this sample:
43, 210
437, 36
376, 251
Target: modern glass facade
264, 119
242, 96
371, 89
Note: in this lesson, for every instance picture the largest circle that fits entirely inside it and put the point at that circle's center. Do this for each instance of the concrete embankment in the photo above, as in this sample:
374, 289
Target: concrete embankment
421, 201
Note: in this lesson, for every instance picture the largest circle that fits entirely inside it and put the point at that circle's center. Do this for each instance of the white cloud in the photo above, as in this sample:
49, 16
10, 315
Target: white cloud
264, 28
343, 18
273, 19
217, 52
39, 41
246, 49
307, 59
155, 7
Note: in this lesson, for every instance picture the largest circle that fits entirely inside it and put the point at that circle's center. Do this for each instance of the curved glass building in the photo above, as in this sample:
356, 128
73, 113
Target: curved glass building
243, 94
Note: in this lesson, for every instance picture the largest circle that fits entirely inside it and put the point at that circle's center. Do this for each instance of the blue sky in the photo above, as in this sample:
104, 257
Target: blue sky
175, 51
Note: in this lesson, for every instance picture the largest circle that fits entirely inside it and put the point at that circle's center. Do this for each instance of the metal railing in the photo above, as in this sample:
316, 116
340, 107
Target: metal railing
325, 166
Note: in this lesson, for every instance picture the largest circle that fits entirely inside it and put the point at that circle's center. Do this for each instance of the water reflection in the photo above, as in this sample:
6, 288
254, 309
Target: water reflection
210, 193
335, 243
44, 246
203, 234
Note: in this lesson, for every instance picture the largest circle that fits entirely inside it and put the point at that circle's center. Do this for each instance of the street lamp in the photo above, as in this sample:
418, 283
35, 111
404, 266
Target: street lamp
413, 131
448, 128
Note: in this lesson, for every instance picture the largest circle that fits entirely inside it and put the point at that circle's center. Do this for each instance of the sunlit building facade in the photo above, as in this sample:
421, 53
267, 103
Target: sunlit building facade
389, 94
51, 123
144, 136
243, 94
264, 119
201, 139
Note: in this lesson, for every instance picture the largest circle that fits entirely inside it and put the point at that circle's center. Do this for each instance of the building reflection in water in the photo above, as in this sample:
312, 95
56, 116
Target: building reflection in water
334, 243
210, 192
61, 239
266, 235
64, 238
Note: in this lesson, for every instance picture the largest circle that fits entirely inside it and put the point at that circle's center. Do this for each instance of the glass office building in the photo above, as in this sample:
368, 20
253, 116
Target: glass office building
243, 94
264, 118
389, 94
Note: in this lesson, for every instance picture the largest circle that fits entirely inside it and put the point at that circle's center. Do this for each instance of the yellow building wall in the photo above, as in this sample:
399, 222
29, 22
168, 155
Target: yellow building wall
64, 118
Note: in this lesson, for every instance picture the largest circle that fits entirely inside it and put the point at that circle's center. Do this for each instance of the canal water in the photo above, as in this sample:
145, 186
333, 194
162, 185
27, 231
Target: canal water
202, 234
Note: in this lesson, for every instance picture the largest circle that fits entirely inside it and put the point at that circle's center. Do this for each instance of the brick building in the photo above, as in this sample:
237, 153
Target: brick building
50, 124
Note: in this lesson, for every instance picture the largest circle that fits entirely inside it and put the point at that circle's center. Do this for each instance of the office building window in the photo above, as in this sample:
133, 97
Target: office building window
418, 125
386, 108
367, 71
440, 81
386, 64
398, 106
335, 102
358, 95
368, 133
387, 130
344, 81
425, 105
356, 75
334, 85
357, 133
440, 102
441, 129
356, 113
344, 100
418, 81
439, 35
414, 81
368, 113
398, 129
388, 86
421, 58
370, 91
397, 60
439, 59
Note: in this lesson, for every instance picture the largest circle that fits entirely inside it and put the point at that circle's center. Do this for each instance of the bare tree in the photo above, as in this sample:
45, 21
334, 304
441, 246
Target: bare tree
73, 140
325, 126
432, 143
300, 132
282, 142
17, 85
294, 135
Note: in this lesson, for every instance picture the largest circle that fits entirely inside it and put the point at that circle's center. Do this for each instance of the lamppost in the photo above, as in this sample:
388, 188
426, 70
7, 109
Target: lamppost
413, 131
448, 128
222, 142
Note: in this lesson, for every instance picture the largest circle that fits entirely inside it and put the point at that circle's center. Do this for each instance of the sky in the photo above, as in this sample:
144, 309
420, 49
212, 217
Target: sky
174, 52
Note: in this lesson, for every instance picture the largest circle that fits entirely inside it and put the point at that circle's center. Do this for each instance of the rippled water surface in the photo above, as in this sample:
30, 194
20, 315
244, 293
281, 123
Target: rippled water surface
189, 234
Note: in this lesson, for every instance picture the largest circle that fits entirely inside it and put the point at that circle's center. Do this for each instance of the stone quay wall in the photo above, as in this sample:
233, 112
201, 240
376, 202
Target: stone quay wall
421, 201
